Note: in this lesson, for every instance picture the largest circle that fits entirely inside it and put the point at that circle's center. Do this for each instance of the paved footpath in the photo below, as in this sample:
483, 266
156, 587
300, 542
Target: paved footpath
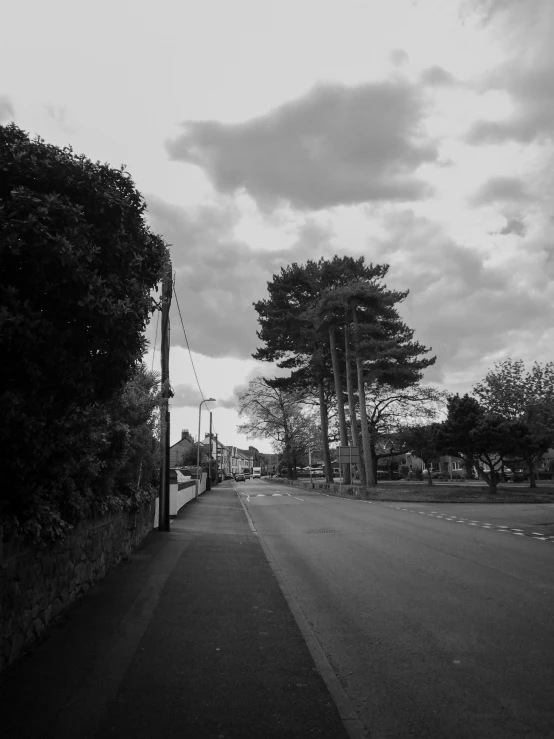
192, 637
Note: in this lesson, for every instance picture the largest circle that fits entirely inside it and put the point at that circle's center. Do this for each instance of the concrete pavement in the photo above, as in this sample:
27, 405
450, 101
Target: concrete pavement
192, 637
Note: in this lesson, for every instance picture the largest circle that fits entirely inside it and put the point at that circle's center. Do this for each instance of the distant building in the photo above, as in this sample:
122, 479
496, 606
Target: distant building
185, 444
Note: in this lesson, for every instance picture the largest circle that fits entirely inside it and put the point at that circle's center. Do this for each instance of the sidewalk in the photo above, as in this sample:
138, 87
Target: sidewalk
192, 637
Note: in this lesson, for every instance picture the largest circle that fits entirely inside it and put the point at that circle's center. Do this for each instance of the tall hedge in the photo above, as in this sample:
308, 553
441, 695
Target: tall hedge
77, 268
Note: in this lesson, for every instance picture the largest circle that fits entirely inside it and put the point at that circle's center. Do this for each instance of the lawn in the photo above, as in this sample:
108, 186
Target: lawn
420, 492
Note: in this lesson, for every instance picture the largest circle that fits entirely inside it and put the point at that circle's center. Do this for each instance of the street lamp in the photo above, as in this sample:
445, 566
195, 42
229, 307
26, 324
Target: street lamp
208, 400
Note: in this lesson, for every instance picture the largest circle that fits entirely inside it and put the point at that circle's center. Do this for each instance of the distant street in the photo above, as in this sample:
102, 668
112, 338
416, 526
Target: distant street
437, 618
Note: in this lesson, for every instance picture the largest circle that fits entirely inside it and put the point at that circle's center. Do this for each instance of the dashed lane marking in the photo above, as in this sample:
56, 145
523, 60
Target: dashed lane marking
502, 528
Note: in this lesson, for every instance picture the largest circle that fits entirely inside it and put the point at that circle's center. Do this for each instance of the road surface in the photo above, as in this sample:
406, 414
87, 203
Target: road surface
437, 619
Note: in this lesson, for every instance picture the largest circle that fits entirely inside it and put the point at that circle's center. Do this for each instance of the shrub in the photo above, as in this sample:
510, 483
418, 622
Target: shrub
78, 265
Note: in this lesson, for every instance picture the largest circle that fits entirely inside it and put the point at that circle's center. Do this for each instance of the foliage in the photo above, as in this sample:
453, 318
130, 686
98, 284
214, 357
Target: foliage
276, 414
108, 460
424, 442
390, 410
476, 437
189, 456
526, 399
78, 265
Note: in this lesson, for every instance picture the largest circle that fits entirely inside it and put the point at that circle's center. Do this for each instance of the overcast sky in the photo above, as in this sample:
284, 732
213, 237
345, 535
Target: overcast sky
261, 132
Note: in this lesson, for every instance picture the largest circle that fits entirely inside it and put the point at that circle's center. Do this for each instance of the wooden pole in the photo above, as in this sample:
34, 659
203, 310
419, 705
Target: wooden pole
164, 477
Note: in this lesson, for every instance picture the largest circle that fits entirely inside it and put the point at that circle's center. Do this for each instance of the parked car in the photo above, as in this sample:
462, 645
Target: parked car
239, 477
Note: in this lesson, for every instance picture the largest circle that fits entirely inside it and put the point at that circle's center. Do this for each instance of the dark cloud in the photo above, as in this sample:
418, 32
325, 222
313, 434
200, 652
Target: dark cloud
399, 57
526, 75
438, 77
217, 277
462, 307
514, 226
7, 112
336, 145
500, 189
187, 396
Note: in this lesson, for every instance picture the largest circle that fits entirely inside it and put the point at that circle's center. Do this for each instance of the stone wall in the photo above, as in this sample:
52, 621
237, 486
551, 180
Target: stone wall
36, 585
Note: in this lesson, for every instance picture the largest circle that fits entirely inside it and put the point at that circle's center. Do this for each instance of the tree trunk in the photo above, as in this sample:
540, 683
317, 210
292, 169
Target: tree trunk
430, 480
366, 439
373, 456
532, 475
491, 479
352, 403
323, 415
340, 397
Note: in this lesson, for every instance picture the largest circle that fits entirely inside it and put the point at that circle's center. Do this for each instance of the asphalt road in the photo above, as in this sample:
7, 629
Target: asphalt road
438, 620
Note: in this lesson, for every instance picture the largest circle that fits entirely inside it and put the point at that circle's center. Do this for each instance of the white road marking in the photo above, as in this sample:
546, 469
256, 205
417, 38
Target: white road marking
517, 533
297, 498
517, 529
276, 495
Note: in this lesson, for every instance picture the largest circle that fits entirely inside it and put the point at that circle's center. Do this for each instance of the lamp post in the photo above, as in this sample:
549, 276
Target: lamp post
208, 400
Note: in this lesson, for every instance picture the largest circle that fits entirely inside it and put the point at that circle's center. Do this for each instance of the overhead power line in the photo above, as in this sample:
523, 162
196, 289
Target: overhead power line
187, 341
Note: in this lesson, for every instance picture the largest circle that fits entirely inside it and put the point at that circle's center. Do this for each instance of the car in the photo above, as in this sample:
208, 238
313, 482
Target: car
435, 474
239, 477
247, 475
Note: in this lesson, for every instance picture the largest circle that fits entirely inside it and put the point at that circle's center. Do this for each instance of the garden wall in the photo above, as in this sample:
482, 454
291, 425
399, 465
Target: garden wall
36, 585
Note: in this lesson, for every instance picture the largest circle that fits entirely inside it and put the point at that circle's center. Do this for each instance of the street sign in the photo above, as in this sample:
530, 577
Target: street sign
348, 454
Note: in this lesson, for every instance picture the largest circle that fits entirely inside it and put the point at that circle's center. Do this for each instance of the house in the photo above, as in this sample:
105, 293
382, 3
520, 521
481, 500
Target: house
219, 452
253, 457
180, 448
239, 460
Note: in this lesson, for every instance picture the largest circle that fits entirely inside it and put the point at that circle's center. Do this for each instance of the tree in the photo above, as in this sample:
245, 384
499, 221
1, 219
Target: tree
273, 413
383, 347
526, 398
423, 441
292, 338
477, 438
390, 410
78, 266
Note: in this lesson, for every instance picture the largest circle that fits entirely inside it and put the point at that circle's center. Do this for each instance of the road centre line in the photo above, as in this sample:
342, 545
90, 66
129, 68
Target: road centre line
489, 526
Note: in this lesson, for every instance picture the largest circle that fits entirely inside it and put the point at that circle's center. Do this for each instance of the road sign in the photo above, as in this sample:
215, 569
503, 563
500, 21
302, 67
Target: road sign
348, 454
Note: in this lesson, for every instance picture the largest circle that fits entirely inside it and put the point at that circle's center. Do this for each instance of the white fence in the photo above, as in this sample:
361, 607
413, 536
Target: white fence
179, 498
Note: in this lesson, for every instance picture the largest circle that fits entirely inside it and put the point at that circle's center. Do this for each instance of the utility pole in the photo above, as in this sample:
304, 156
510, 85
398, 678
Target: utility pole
210, 457
216, 461
166, 393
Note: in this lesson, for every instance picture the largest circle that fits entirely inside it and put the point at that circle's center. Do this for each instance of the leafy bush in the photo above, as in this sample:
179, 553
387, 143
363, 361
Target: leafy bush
78, 265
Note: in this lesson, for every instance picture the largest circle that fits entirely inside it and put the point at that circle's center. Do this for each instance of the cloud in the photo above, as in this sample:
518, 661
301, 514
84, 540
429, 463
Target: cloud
7, 112
438, 77
514, 225
462, 305
500, 189
336, 145
187, 396
526, 74
218, 277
